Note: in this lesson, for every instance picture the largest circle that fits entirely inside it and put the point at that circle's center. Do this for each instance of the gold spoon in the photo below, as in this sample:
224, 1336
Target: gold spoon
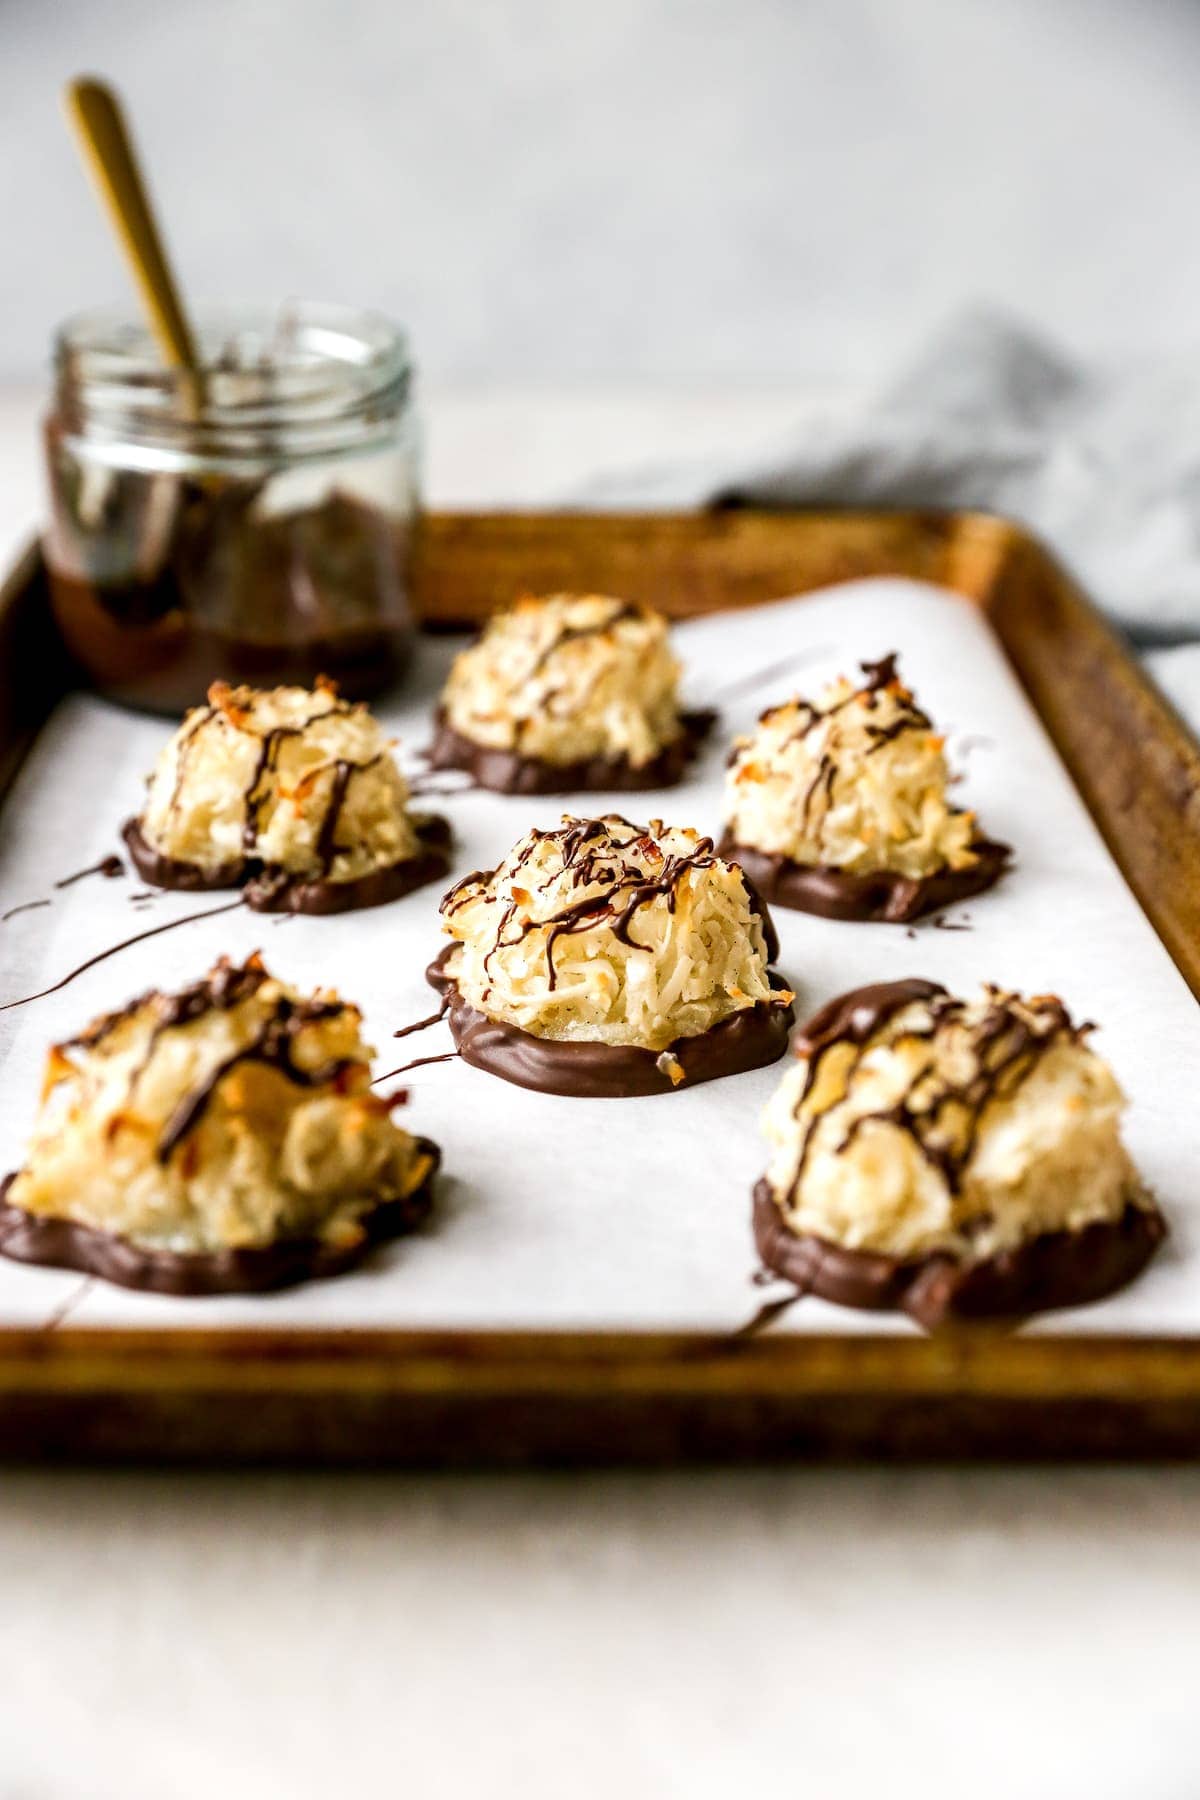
96, 115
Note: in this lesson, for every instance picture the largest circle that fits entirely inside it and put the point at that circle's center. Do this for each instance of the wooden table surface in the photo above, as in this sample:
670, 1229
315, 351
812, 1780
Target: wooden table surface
973, 1633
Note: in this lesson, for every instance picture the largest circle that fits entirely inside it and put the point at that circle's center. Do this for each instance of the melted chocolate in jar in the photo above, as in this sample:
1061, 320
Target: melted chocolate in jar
172, 584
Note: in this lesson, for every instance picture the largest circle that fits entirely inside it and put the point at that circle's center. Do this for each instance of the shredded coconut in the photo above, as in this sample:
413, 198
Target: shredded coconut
857, 781
611, 932
295, 779
566, 678
229, 1115
964, 1127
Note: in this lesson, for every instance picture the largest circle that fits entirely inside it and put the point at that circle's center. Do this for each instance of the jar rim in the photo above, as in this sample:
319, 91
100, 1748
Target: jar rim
277, 382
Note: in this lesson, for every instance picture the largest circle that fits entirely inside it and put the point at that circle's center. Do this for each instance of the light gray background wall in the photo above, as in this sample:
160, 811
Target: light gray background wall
568, 188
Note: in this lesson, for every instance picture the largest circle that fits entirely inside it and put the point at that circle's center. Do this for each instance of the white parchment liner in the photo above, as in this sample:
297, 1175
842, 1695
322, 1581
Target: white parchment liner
620, 1214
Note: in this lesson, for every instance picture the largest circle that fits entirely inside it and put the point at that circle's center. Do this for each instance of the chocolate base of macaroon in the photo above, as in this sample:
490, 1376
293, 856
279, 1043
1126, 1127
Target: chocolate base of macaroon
508, 772
273, 890
750, 1039
881, 896
65, 1244
1058, 1269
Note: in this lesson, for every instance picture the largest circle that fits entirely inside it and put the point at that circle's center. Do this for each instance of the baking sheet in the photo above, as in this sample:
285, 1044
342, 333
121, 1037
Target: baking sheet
615, 1214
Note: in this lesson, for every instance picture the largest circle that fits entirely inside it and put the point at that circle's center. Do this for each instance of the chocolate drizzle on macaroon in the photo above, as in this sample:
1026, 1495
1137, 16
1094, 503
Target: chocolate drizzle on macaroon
574, 634
943, 1114
128, 1179
835, 836
595, 879
269, 886
225, 987
1005, 1044
524, 712
273, 1048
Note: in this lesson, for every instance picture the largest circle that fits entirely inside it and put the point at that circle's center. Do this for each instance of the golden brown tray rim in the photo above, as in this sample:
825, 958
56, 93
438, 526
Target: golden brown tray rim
447, 1397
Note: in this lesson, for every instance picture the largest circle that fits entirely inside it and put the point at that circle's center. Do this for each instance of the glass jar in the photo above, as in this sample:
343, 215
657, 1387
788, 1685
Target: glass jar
253, 526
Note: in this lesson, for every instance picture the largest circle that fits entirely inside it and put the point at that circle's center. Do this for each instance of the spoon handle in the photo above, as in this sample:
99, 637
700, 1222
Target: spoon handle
99, 123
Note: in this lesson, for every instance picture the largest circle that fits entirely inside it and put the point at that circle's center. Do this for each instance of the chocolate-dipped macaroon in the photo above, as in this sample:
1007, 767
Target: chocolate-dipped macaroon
841, 807
606, 959
569, 693
221, 1139
294, 794
953, 1158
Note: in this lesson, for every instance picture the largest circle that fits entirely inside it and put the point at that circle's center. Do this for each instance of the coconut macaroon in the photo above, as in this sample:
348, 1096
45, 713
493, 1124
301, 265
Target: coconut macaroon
609, 959
955, 1158
222, 1138
841, 806
292, 792
576, 691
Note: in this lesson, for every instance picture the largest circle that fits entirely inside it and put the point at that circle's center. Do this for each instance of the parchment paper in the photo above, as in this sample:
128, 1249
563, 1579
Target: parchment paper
622, 1214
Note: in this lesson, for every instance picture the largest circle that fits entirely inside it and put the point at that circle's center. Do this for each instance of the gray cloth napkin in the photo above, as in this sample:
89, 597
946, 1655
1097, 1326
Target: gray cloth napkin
1102, 463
